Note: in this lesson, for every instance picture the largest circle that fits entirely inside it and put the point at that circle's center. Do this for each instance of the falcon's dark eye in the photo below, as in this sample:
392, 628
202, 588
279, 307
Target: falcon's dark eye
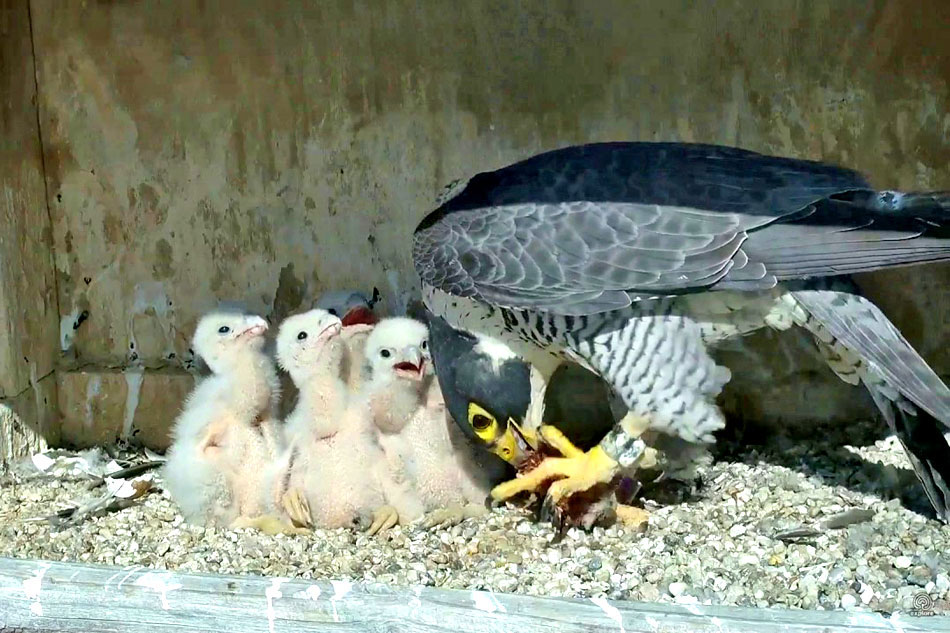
385, 353
480, 422
223, 329
301, 336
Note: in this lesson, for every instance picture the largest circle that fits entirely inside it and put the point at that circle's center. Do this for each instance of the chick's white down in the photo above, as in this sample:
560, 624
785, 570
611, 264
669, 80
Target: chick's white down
331, 448
426, 467
226, 435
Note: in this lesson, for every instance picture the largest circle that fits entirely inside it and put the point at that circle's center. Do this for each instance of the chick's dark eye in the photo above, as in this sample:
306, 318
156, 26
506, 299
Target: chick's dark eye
301, 336
481, 422
333, 312
385, 353
223, 329
425, 344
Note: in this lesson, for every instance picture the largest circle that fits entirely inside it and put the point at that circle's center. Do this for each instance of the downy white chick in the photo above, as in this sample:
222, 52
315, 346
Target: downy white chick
325, 477
226, 434
422, 472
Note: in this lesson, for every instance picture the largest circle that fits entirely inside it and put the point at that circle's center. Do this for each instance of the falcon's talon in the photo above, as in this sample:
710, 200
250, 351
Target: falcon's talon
547, 513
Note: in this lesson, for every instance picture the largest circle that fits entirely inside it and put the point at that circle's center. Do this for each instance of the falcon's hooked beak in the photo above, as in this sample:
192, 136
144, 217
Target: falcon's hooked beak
515, 445
359, 315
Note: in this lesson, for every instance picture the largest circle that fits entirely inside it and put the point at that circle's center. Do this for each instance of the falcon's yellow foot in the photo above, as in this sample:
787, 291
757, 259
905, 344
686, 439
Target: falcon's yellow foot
383, 519
577, 473
633, 425
268, 524
553, 437
297, 508
632, 517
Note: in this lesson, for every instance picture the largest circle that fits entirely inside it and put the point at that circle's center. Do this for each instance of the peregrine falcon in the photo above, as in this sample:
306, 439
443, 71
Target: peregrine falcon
632, 258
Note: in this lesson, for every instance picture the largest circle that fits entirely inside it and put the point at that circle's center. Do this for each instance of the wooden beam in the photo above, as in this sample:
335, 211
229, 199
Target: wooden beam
50, 596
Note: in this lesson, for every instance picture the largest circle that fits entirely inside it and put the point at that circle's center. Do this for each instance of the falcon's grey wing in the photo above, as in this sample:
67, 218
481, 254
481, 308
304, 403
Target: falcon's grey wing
576, 257
590, 228
897, 372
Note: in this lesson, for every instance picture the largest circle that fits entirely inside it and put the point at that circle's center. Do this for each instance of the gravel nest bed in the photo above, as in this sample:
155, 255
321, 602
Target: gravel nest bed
721, 546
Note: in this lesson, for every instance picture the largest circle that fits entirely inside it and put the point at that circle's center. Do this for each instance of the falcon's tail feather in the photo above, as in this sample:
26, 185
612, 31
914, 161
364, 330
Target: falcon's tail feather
929, 205
851, 232
912, 398
925, 446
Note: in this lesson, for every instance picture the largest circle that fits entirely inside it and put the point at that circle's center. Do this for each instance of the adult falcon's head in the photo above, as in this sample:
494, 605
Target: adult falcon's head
487, 390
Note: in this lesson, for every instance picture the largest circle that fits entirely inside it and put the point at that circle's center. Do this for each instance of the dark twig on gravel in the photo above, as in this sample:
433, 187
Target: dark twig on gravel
834, 522
126, 473
100, 506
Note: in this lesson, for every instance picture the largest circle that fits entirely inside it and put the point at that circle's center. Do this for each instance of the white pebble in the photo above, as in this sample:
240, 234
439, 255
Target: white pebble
848, 601
903, 562
736, 530
677, 589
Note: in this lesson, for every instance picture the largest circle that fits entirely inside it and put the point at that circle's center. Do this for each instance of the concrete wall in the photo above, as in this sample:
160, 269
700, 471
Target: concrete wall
261, 152
28, 312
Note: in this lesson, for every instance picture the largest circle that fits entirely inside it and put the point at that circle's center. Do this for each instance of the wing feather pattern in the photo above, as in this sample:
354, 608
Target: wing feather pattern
591, 228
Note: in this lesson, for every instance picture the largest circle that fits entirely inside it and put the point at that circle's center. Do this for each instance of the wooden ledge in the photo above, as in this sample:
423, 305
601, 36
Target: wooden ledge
49, 596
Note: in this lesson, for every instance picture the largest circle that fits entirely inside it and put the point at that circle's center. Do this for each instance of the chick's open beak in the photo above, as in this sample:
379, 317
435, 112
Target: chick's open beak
412, 366
515, 445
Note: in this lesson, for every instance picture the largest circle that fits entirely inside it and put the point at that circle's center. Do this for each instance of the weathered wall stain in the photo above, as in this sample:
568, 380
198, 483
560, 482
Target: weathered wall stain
28, 311
208, 147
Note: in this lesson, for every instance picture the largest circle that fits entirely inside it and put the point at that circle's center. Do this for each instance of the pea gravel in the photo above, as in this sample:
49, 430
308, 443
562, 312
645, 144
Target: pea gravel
760, 531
